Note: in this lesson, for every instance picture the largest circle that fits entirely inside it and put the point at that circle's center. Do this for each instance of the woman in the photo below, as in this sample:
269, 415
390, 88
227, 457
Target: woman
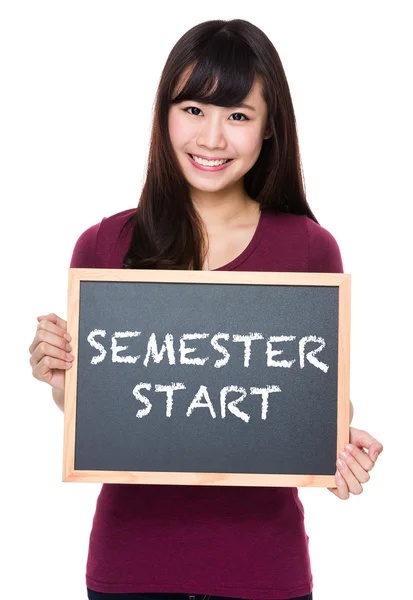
223, 191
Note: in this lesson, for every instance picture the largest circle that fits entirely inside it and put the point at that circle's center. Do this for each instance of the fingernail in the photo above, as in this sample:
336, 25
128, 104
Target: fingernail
375, 456
343, 454
68, 347
67, 337
350, 447
341, 464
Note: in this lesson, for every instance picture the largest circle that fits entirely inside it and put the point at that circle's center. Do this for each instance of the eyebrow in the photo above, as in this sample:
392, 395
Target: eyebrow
243, 105
240, 105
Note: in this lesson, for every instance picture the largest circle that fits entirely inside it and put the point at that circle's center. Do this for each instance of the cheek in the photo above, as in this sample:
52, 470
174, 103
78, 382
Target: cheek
250, 145
178, 131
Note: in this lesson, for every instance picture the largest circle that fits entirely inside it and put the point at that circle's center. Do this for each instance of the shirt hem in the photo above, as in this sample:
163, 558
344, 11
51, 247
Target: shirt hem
189, 588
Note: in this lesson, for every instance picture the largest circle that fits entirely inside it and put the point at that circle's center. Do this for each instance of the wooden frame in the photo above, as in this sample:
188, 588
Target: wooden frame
342, 281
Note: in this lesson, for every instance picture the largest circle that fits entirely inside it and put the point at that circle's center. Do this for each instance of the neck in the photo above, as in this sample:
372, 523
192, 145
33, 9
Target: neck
218, 210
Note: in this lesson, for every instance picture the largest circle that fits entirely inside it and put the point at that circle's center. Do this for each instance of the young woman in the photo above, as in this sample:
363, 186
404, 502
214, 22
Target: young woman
223, 191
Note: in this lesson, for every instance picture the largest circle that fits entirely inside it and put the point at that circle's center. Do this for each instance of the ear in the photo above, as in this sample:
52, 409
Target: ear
267, 133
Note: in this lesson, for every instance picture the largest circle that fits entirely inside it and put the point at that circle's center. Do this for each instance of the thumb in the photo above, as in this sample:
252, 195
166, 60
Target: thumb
362, 439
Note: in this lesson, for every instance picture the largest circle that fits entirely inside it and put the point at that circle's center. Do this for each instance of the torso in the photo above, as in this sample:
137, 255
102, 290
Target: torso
228, 523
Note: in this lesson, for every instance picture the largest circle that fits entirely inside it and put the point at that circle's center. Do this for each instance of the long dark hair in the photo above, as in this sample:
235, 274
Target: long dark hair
223, 59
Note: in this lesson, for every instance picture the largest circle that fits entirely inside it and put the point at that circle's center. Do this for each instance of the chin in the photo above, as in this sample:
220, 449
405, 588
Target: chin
209, 189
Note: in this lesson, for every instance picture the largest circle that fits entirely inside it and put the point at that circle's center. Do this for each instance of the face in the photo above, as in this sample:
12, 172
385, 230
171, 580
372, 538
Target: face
205, 131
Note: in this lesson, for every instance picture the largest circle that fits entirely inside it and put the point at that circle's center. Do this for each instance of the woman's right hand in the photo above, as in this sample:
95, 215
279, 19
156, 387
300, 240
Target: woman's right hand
50, 351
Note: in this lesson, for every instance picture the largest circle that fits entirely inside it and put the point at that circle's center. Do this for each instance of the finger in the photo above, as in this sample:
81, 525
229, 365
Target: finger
341, 491
49, 326
43, 335
44, 349
358, 461
54, 319
43, 371
361, 456
352, 482
375, 449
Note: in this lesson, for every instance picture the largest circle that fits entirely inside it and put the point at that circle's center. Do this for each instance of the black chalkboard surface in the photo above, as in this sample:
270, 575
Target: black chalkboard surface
207, 378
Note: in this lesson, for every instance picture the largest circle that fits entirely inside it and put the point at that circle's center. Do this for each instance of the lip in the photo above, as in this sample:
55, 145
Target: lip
209, 158
203, 168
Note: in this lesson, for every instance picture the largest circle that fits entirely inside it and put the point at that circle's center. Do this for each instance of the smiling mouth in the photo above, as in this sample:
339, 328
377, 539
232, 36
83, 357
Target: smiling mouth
227, 160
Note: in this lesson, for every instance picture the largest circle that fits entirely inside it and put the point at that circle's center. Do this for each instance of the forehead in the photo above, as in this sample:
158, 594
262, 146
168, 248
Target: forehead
217, 89
255, 95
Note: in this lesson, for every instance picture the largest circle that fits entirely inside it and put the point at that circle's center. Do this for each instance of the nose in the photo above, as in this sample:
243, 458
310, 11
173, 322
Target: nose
211, 134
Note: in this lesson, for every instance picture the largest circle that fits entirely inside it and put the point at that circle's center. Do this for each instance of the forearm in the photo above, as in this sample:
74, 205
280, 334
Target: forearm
59, 398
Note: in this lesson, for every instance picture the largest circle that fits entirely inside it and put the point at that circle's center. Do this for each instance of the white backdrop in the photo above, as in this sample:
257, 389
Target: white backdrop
78, 84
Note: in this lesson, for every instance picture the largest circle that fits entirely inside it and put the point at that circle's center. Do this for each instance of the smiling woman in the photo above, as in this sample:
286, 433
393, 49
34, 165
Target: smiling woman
222, 96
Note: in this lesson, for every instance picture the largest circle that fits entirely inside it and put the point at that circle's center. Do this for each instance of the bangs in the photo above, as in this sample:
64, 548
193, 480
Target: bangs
223, 74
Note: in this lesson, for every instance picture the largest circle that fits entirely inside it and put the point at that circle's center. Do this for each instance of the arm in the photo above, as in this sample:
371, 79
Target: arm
324, 257
83, 256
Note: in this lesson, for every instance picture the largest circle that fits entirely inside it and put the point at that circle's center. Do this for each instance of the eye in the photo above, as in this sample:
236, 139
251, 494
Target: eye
196, 108
241, 115
191, 108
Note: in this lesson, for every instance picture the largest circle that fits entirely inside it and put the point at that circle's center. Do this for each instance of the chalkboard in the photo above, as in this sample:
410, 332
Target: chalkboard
206, 377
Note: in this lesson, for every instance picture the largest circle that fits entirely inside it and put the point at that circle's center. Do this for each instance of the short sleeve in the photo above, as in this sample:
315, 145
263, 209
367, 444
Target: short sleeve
324, 252
84, 252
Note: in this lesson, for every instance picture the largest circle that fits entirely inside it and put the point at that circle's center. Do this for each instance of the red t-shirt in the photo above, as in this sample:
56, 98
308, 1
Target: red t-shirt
246, 542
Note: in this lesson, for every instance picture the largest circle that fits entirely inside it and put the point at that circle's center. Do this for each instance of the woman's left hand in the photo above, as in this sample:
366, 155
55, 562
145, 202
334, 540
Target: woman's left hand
359, 458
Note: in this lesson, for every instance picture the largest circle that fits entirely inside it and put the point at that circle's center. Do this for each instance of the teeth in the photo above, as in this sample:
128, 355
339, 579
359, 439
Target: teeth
209, 163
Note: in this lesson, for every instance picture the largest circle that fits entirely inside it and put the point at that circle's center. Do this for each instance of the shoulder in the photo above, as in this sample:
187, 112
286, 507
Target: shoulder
102, 244
305, 236
324, 251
